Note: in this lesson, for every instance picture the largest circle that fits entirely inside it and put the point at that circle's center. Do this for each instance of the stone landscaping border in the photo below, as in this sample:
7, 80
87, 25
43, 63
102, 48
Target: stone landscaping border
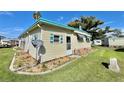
40, 73
11, 65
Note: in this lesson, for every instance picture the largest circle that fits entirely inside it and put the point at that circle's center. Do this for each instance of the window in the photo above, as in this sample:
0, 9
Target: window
87, 39
56, 38
80, 37
98, 41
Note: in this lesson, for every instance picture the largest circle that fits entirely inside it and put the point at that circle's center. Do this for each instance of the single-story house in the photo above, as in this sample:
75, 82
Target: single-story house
14, 42
5, 42
114, 42
97, 42
47, 40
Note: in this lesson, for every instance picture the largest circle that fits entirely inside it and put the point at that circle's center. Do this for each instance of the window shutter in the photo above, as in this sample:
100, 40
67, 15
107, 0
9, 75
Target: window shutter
51, 38
61, 39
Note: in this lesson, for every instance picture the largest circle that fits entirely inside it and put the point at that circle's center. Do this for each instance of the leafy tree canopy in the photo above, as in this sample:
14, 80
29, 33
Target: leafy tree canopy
92, 25
1, 37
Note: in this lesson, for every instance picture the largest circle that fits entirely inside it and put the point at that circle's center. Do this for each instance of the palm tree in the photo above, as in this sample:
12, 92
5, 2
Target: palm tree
37, 43
36, 15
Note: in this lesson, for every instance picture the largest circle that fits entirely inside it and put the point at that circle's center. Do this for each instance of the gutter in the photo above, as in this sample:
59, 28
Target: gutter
83, 33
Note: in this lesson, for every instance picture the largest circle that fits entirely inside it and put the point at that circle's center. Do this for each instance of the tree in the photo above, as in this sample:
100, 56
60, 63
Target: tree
87, 23
107, 29
117, 32
90, 24
1, 37
75, 24
100, 34
36, 15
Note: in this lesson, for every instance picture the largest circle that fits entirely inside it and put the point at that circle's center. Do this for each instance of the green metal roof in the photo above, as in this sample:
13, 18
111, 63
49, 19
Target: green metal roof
56, 24
42, 20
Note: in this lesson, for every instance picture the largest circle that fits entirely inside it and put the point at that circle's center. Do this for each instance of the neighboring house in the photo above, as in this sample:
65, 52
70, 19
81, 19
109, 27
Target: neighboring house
114, 42
14, 42
1, 37
97, 42
5, 42
47, 40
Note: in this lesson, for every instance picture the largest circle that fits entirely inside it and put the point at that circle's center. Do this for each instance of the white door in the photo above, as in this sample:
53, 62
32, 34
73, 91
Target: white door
68, 45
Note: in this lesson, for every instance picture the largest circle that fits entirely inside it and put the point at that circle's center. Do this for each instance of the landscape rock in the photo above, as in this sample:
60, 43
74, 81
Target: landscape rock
114, 65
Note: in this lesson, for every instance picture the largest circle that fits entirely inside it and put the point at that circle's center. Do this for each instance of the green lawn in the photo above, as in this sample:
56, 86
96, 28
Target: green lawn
88, 68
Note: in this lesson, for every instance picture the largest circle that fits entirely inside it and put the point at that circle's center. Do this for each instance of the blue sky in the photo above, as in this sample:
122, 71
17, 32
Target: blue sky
12, 24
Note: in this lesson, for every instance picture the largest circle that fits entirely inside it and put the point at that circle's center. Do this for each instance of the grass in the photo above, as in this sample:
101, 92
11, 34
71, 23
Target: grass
85, 69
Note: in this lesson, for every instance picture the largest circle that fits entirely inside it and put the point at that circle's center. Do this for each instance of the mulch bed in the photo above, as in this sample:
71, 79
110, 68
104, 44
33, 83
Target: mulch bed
25, 63
23, 59
49, 65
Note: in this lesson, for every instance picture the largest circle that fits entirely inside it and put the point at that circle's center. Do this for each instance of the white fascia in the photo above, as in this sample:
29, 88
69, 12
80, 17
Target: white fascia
83, 33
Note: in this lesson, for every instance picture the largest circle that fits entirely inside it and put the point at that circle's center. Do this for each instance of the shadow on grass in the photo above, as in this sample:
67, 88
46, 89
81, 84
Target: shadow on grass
106, 65
120, 50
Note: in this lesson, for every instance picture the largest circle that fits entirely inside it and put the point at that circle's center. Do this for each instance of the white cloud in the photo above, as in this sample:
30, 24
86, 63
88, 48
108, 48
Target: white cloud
6, 13
11, 32
19, 29
60, 18
2, 33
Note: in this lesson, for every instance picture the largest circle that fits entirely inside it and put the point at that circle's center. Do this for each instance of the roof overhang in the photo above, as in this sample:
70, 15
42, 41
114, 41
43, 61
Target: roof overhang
82, 33
41, 21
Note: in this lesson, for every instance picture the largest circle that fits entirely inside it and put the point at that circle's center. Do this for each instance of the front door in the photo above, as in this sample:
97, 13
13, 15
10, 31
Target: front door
68, 45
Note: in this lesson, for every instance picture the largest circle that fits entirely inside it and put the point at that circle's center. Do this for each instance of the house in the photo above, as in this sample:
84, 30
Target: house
5, 42
14, 42
97, 42
114, 41
1, 37
47, 40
